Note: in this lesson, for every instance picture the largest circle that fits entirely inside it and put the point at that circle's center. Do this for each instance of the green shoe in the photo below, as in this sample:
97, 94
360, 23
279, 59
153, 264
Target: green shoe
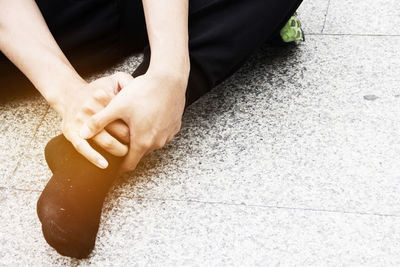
292, 33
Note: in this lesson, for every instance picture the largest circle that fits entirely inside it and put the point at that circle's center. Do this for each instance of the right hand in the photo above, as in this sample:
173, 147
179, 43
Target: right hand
80, 103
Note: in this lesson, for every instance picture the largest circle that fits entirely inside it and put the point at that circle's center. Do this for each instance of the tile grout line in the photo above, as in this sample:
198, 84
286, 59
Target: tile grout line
352, 34
20, 189
326, 15
30, 142
269, 206
234, 204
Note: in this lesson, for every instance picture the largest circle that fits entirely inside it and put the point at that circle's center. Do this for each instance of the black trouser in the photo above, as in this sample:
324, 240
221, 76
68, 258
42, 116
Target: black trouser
222, 33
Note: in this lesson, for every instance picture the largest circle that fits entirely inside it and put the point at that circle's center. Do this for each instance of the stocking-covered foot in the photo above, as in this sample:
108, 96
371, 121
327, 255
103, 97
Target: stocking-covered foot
70, 205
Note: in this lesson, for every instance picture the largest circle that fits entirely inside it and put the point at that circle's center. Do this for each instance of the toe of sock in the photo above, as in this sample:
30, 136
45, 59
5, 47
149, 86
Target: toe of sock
64, 243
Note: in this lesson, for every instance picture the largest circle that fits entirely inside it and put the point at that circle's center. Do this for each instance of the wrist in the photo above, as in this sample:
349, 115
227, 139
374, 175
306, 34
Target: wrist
176, 66
58, 93
178, 79
176, 82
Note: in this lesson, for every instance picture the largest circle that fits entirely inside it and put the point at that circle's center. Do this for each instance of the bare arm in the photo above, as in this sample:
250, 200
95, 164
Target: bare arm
152, 104
167, 27
26, 40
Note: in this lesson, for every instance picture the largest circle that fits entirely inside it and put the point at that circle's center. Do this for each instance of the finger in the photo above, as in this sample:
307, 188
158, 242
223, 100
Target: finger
119, 130
83, 147
136, 152
110, 144
131, 160
98, 121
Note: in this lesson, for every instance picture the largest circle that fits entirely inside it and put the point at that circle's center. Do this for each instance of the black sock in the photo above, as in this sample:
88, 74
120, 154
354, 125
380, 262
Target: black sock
69, 207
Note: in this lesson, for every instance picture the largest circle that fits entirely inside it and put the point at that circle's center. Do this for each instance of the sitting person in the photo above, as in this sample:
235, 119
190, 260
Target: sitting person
109, 124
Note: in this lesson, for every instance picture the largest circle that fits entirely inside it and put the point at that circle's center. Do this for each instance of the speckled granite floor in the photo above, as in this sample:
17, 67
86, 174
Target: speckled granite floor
293, 161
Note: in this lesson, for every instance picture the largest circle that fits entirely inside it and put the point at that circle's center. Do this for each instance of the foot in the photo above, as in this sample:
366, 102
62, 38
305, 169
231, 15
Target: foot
292, 33
69, 207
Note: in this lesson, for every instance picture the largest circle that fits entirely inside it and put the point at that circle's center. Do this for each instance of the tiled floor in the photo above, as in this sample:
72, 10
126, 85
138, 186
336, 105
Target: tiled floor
292, 161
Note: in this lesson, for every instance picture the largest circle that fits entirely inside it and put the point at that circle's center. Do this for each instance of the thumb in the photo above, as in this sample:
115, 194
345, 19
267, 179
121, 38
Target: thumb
99, 121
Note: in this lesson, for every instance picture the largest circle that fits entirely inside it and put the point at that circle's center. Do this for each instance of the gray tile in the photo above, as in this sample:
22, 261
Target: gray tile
19, 118
312, 15
363, 17
32, 171
180, 233
291, 128
174, 233
20, 233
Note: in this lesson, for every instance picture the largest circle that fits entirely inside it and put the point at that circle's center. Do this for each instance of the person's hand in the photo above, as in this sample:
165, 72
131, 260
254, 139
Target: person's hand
152, 106
80, 104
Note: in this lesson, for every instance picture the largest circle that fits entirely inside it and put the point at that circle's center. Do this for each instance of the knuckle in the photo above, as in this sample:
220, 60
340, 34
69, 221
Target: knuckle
159, 144
93, 122
152, 136
125, 133
145, 143
108, 144
148, 141
80, 117
87, 109
101, 95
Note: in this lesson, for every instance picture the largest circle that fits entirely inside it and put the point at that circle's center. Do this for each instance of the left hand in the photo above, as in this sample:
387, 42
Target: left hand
152, 106
77, 104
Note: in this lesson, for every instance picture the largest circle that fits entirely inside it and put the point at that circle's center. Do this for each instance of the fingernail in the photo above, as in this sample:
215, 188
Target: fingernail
102, 163
85, 132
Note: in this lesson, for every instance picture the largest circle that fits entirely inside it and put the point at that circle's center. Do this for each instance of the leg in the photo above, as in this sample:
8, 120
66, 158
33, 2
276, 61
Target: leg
96, 32
10, 78
91, 33
223, 34
217, 29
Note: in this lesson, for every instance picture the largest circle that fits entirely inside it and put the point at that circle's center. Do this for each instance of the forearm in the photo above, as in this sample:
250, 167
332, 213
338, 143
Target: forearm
167, 27
26, 40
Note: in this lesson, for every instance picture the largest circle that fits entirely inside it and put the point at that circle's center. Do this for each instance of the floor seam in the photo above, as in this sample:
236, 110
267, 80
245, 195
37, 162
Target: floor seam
352, 34
235, 204
20, 189
326, 15
267, 206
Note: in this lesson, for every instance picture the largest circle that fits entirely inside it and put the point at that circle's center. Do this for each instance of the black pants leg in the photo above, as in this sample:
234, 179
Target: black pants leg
223, 34
95, 33
92, 33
